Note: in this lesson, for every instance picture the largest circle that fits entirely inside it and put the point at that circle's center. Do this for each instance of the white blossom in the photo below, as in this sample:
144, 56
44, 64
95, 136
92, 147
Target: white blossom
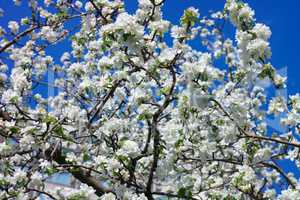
178, 32
5, 148
129, 148
280, 81
49, 34
10, 96
108, 196
160, 26
47, 2
262, 31
19, 175
19, 79
78, 4
133, 108
167, 55
259, 48
13, 26
277, 105
289, 194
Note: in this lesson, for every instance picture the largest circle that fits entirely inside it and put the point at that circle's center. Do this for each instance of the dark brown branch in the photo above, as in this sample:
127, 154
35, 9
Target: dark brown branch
81, 174
41, 192
101, 104
154, 130
17, 38
99, 12
281, 172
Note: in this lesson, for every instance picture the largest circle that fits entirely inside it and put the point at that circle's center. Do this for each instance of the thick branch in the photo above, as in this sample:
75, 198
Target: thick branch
17, 38
281, 172
154, 130
81, 174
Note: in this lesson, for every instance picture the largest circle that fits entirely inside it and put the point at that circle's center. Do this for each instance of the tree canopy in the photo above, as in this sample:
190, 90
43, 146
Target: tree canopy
137, 112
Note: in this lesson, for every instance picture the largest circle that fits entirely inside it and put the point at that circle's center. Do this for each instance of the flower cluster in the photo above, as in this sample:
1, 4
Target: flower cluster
134, 111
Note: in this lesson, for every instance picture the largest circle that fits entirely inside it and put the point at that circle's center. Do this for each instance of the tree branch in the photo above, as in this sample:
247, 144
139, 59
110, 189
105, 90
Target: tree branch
83, 175
17, 38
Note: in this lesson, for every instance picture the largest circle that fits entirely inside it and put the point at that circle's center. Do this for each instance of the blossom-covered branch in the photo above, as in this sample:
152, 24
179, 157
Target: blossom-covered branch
136, 111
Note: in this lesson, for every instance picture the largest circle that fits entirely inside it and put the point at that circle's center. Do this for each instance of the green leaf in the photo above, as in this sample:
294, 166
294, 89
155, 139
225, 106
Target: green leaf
80, 196
50, 171
14, 100
122, 158
220, 122
126, 36
166, 90
59, 131
178, 143
184, 193
145, 115
62, 14
181, 192
14, 129
229, 198
85, 157
267, 71
204, 76
240, 75
188, 18
49, 119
